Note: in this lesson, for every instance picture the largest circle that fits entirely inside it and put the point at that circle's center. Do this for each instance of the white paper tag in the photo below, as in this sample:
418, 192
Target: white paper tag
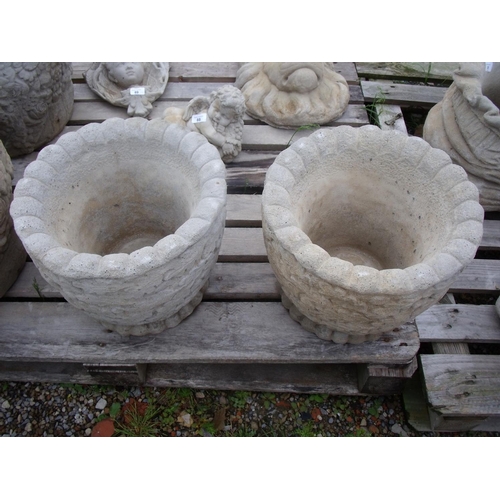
137, 91
488, 67
199, 118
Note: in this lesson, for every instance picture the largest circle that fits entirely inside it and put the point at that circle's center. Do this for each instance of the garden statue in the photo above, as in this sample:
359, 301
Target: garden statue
293, 94
218, 117
12, 253
131, 85
466, 124
36, 102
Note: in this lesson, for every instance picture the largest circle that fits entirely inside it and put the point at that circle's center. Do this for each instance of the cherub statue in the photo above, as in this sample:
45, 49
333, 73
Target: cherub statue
132, 85
218, 117
292, 94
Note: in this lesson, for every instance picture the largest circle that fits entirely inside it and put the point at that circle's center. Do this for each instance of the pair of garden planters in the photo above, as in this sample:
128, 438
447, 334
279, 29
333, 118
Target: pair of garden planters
364, 228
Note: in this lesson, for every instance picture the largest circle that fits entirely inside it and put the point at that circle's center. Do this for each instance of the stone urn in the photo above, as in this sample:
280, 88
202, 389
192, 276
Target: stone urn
125, 218
12, 252
293, 94
36, 102
365, 229
466, 124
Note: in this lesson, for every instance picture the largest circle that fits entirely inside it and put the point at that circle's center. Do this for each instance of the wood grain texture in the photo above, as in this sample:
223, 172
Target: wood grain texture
462, 385
424, 71
460, 322
402, 94
217, 332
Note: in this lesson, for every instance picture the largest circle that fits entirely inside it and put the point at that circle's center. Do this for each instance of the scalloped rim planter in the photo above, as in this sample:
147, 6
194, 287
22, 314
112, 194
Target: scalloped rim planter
365, 229
125, 218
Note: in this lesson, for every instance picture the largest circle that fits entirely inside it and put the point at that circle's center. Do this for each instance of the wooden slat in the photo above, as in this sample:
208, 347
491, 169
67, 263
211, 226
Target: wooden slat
310, 378
491, 235
244, 210
437, 71
214, 71
391, 118
462, 385
479, 276
459, 322
402, 94
217, 332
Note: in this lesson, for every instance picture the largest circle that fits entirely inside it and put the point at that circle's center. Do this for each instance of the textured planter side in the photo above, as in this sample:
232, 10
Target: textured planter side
366, 229
466, 125
36, 102
126, 219
12, 252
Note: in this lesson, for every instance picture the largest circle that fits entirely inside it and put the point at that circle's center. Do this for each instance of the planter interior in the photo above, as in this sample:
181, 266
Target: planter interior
379, 226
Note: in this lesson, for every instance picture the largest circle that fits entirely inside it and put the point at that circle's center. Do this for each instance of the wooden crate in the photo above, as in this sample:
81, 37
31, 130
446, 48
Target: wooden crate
240, 337
453, 390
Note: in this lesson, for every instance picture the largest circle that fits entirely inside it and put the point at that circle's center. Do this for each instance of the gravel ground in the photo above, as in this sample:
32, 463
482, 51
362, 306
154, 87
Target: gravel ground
35, 409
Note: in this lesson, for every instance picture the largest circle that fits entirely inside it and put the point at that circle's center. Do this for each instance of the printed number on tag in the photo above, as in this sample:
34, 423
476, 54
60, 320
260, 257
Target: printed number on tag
137, 91
488, 67
199, 118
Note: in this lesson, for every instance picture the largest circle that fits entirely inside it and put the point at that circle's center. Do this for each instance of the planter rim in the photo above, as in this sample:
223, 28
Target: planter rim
31, 221
442, 267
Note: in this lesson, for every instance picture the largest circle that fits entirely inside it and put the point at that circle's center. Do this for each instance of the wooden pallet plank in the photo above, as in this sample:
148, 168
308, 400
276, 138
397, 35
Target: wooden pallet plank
244, 210
217, 332
460, 322
402, 94
462, 385
221, 72
424, 71
480, 275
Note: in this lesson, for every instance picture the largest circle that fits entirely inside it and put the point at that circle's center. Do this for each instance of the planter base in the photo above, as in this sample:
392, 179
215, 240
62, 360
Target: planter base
323, 331
159, 326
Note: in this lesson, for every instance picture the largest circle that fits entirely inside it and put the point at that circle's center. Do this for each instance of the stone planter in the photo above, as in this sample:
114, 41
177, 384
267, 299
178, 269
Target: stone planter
365, 229
12, 252
36, 102
466, 124
125, 218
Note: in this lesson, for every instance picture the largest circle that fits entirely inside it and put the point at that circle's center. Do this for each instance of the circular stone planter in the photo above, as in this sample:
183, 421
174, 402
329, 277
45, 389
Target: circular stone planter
365, 229
125, 219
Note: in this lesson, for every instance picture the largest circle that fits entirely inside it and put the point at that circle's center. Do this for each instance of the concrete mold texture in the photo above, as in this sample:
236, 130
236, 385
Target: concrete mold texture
125, 219
365, 229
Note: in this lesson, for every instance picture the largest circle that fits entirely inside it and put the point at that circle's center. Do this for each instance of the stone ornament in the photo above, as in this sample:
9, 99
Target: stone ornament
466, 124
125, 218
292, 94
218, 117
12, 253
131, 85
365, 229
36, 102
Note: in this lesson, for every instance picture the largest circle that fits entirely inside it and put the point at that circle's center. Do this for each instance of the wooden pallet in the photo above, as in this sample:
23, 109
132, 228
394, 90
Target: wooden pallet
453, 390
240, 337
